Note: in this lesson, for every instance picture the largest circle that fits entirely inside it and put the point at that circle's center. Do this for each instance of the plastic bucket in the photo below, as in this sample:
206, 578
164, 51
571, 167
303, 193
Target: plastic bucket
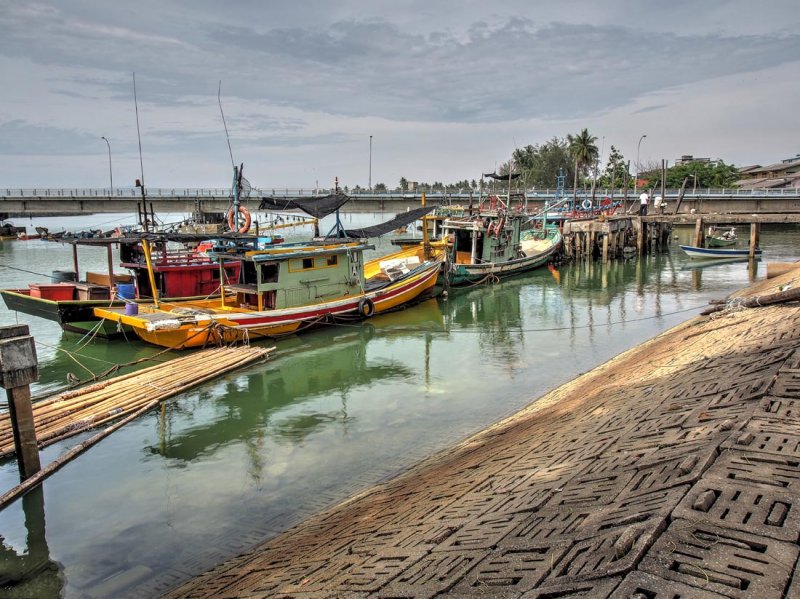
131, 309
126, 291
63, 276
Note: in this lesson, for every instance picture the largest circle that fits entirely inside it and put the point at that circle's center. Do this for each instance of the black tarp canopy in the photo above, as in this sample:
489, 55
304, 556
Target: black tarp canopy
316, 206
390, 225
502, 177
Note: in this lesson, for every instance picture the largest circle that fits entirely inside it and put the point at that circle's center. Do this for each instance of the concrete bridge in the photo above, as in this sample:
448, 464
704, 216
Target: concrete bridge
185, 200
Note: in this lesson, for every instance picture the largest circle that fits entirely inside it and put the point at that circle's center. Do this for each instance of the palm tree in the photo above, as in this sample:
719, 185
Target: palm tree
583, 151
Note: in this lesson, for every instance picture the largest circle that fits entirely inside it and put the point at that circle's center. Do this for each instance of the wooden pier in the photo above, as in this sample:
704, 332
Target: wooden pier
618, 236
672, 470
614, 237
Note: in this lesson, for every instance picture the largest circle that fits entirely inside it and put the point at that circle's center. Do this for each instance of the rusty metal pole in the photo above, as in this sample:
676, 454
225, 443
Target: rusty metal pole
18, 369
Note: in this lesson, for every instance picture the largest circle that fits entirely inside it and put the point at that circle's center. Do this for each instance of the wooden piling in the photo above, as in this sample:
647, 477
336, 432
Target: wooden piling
698, 233
605, 249
18, 369
755, 231
640, 233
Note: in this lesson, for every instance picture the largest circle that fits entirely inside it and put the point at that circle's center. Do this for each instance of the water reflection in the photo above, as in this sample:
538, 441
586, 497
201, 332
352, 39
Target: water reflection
316, 365
32, 573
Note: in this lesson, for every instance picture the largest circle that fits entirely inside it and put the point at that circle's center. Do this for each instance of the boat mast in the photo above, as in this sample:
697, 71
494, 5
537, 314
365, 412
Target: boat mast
151, 275
237, 182
140, 182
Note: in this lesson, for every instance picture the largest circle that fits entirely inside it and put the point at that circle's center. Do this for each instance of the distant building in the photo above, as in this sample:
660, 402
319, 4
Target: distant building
688, 158
780, 175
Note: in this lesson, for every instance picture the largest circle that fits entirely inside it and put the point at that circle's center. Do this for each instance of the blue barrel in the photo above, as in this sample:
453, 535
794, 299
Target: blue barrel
63, 276
126, 291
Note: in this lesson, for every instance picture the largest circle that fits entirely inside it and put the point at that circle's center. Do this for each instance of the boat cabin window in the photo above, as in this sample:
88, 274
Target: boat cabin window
313, 263
269, 272
228, 274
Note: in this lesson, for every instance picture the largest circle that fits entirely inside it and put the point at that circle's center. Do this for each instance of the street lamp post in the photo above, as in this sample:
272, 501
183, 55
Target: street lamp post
636, 180
370, 163
110, 174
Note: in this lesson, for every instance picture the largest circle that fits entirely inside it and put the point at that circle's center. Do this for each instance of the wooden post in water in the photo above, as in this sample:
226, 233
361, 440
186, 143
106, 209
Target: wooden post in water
755, 231
640, 230
605, 248
18, 369
75, 261
698, 233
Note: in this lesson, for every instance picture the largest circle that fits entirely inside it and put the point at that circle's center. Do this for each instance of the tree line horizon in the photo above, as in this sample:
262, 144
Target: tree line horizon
576, 157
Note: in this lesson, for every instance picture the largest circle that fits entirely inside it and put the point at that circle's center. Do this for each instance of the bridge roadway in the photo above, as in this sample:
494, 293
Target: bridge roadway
671, 471
26, 202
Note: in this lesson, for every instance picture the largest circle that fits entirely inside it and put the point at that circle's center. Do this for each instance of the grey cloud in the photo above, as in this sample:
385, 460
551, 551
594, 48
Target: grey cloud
19, 138
500, 70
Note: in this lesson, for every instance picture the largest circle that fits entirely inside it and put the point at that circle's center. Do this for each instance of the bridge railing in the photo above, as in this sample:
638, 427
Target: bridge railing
532, 194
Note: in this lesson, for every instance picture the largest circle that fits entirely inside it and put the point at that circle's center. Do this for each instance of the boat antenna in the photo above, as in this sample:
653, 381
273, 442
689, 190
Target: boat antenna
224, 124
141, 162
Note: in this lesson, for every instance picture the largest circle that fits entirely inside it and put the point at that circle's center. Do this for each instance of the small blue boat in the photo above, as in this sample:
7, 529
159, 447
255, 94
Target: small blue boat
695, 252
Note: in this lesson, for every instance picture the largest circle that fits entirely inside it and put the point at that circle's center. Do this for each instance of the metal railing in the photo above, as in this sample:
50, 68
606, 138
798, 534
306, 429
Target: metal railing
531, 194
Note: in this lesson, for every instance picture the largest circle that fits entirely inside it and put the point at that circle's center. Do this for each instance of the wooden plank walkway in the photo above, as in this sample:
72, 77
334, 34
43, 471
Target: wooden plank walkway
671, 471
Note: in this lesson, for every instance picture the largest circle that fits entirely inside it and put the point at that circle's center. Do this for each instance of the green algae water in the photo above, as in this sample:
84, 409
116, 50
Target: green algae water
237, 460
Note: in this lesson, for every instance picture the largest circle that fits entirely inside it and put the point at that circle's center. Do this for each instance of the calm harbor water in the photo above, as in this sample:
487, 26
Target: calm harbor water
239, 459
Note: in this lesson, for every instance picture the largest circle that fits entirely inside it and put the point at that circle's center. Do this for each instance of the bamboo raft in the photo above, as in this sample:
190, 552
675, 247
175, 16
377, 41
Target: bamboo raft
74, 412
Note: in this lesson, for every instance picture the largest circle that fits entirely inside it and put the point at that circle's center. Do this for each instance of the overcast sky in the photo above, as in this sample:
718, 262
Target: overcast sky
446, 89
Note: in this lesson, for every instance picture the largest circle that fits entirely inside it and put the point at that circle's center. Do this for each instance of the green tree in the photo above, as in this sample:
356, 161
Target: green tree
584, 152
403, 184
380, 187
705, 174
616, 170
540, 163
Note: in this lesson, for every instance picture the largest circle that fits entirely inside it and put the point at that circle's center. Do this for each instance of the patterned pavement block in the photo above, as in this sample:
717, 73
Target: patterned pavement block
585, 589
632, 509
548, 527
772, 407
505, 573
753, 468
433, 574
729, 562
615, 552
757, 509
768, 436
641, 585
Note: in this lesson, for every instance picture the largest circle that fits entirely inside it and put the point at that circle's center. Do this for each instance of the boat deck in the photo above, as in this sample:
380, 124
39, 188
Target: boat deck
671, 470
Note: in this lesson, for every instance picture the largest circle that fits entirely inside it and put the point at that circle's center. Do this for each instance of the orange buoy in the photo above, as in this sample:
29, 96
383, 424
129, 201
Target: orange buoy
247, 220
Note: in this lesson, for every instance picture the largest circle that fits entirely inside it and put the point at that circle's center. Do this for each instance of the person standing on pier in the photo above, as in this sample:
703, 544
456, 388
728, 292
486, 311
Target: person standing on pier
643, 201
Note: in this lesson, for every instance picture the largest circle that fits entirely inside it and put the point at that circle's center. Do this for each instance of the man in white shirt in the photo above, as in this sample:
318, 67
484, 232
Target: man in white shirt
643, 200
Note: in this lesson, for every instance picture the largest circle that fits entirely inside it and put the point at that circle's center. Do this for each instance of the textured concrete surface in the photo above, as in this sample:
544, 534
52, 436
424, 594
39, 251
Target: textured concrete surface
671, 471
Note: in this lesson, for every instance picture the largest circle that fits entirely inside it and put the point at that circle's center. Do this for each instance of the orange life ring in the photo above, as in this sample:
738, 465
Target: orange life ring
247, 220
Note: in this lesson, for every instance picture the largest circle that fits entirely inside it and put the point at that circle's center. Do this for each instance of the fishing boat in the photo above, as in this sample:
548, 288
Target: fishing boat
180, 273
283, 290
705, 253
494, 244
8, 232
717, 237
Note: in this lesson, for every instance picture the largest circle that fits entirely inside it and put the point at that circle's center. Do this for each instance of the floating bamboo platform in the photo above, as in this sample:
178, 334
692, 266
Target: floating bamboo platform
76, 411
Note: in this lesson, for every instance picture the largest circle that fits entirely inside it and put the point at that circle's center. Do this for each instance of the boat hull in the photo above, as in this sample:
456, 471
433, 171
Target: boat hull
705, 253
464, 274
718, 242
210, 323
76, 316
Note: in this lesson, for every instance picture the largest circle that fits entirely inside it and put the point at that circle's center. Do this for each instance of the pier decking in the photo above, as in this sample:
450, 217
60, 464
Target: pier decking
672, 470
